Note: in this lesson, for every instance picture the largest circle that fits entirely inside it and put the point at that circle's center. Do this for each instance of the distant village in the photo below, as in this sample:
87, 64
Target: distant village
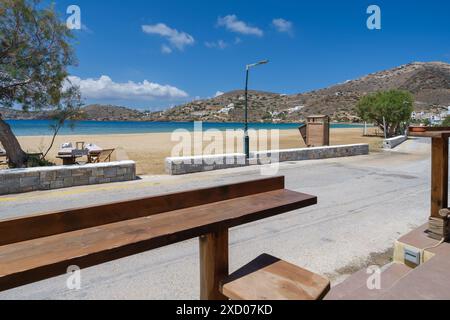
435, 118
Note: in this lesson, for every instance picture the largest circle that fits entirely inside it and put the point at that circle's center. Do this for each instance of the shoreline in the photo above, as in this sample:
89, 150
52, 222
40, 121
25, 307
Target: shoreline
24, 128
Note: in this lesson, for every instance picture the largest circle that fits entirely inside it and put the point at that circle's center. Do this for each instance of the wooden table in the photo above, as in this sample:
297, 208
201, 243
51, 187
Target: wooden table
439, 171
71, 159
68, 160
41, 246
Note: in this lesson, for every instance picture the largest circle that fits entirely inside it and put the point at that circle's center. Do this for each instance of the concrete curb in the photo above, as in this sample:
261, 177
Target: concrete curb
391, 143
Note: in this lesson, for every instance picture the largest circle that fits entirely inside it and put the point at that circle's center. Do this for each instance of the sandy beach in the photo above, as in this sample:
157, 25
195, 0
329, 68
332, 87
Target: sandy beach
150, 149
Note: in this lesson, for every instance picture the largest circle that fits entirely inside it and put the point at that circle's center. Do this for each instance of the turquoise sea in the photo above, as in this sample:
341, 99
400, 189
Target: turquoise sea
42, 127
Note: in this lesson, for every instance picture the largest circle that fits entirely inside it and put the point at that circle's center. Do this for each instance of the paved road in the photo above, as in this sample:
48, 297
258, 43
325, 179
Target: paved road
365, 203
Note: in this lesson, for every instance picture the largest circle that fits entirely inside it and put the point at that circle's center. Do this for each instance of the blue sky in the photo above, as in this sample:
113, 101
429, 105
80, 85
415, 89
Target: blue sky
188, 49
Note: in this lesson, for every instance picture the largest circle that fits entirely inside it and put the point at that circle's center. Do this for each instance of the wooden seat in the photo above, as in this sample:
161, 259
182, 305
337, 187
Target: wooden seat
269, 278
102, 156
94, 235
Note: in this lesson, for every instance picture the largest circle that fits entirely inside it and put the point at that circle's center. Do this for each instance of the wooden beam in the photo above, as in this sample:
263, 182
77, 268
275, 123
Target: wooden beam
44, 225
439, 176
213, 264
34, 260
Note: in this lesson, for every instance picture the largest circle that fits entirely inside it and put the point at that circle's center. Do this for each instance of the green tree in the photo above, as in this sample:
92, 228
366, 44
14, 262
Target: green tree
35, 52
393, 107
426, 122
446, 122
69, 110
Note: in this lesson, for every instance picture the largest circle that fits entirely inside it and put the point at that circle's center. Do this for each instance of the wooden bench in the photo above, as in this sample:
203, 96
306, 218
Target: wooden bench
38, 247
269, 278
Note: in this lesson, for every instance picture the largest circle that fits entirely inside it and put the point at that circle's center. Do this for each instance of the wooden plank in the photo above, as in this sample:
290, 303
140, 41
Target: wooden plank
430, 134
213, 264
269, 278
38, 259
36, 226
439, 176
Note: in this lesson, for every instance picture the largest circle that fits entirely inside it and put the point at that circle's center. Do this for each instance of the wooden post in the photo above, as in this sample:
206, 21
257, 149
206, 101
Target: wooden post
437, 227
439, 176
213, 264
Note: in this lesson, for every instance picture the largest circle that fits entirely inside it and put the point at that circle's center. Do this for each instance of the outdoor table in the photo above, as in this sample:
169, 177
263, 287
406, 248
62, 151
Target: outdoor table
38, 247
68, 160
71, 159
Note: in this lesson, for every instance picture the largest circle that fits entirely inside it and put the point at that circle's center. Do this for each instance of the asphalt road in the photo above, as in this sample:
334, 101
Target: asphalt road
365, 203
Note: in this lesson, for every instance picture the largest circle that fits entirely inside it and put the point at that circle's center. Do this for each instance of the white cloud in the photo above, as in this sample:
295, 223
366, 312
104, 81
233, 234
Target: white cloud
220, 44
283, 25
218, 94
166, 49
105, 88
177, 39
232, 23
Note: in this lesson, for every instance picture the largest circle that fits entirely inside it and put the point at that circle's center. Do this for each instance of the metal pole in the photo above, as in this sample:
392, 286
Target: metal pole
246, 137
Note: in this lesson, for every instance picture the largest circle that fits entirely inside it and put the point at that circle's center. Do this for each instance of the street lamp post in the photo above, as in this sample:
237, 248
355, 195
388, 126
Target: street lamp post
246, 137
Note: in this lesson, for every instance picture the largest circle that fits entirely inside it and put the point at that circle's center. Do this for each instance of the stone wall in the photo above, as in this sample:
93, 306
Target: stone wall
391, 143
46, 178
272, 156
184, 165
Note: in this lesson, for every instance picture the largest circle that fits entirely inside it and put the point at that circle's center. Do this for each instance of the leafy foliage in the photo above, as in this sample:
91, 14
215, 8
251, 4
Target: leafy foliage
68, 109
35, 51
393, 107
446, 122
37, 161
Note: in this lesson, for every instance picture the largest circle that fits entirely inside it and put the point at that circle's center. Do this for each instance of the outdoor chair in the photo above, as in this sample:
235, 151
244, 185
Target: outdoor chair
102, 156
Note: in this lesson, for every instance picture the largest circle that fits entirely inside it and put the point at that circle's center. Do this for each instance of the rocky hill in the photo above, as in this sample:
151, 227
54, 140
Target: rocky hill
13, 114
429, 82
108, 112
93, 112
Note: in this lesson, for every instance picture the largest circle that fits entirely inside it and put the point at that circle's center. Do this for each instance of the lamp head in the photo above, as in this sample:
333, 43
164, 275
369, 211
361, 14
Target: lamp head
257, 64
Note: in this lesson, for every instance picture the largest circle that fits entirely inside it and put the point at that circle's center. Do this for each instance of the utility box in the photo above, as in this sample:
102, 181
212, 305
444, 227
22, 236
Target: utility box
318, 131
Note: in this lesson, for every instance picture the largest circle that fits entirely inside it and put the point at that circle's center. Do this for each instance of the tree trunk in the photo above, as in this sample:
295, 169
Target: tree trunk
392, 130
16, 156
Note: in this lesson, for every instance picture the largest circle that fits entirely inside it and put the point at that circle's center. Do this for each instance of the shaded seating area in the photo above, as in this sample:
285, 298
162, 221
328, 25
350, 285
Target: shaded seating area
42, 246
92, 153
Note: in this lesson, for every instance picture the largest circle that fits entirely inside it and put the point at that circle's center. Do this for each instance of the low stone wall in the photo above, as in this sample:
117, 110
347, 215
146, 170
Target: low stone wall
273, 156
393, 142
185, 165
46, 178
